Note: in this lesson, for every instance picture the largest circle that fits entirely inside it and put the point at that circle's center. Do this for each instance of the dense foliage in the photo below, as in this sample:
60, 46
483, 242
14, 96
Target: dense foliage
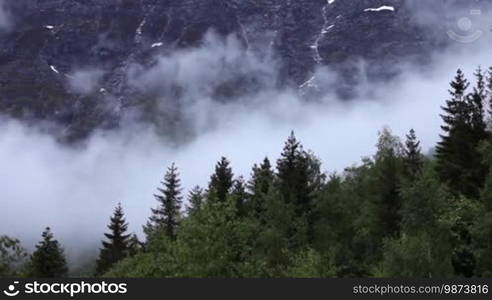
48, 261
399, 213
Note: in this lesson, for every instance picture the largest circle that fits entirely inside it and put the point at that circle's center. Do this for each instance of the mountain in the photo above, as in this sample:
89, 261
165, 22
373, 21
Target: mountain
48, 40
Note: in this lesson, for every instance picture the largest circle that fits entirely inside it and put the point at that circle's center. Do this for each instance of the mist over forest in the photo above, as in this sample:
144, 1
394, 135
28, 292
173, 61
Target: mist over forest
74, 187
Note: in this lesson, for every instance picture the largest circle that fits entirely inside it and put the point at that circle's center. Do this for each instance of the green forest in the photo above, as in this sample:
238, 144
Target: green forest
398, 213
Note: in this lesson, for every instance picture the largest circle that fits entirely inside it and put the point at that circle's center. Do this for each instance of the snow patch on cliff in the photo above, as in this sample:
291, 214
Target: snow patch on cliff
382, 8
53, 68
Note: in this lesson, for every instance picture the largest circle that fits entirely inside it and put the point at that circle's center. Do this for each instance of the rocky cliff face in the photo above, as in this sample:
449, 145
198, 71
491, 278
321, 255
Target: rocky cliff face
49, 39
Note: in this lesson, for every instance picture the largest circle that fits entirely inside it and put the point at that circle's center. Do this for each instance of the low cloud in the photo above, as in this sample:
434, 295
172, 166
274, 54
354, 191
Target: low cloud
74, 190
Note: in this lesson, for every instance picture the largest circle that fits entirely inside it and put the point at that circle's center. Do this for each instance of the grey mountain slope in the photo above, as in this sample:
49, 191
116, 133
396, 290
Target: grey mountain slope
50, 39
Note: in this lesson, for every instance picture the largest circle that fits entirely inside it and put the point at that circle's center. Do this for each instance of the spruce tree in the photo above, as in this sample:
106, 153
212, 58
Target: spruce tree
261, 178
166, 216
221, 181
261, 182
477, 168
293, 175
413, 158
293, 183
118, 245
240, 196
48, 261
195, 201
477, 100
458, 160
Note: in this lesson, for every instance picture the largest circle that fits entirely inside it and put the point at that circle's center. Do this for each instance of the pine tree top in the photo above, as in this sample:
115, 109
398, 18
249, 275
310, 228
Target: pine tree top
166, 216
459, 85
117, 225
412, 143
223, 169
266, 165
49, 260
292, 146
222, 180
195, 200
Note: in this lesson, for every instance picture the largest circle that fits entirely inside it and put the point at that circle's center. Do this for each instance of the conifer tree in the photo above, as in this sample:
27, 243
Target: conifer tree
261, 182
262, 177
293, 175
195, 200
413, 158
221, 181
463, 163
293, 184
458, 160
48, 261
118, 245
477, 168
240, 196
477, 100
166, 216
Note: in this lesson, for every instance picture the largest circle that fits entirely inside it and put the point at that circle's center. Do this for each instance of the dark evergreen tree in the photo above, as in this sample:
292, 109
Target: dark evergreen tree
293, 183
240, 196
460, 163
118, 245
458, 160
261, 182
293, 175
477, 168
477, 99
455, 122
413, 158
195, 200
261, 178
221, 181
166, 216
48, 261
